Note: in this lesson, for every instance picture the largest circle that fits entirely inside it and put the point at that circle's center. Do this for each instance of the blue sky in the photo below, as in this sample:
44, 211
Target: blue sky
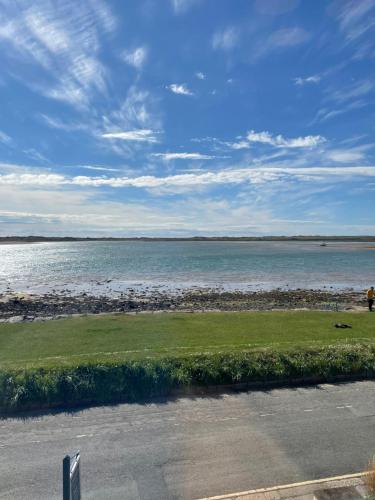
187, 117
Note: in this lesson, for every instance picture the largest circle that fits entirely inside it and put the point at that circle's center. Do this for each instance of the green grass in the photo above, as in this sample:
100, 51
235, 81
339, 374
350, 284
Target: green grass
113, 358
118, 338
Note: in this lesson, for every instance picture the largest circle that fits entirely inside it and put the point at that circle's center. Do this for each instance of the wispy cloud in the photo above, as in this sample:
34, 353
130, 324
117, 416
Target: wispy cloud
183, 156
282, 39
278, 141
142, 135
33, 154
353, 91
200, 75
309, 79
59, 124
344, 99
100, 169
226, 39
64, 41
356, 20
182, 6
288, 37
136, 57
275, 7
325, 114
5, 138
179, 89
139, 111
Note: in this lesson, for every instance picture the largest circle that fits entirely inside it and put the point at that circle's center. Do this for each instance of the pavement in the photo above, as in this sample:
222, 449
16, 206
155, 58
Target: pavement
191, 448
347, 487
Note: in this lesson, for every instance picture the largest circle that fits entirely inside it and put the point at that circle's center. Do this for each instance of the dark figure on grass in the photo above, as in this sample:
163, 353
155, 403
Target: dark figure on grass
370, 298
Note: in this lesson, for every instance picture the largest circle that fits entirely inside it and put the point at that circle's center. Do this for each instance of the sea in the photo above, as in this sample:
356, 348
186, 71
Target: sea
114, 268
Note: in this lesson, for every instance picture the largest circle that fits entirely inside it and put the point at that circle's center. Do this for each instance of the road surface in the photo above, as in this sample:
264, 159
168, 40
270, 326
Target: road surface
193, 447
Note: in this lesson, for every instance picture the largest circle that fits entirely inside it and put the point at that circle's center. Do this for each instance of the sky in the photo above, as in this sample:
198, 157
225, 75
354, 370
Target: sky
187, 117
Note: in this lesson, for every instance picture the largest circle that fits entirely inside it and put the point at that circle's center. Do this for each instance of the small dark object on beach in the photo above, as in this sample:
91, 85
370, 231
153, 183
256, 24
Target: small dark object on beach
342, 325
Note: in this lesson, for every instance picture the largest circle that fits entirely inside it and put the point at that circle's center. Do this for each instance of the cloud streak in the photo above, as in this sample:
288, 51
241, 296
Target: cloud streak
183, 156
228, 176
141, 135
278, 141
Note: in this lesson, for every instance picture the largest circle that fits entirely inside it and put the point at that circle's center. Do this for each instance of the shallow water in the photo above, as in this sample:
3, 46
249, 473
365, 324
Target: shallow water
159, 265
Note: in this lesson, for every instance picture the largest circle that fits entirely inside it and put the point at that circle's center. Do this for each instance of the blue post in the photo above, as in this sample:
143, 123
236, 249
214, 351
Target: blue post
66, 478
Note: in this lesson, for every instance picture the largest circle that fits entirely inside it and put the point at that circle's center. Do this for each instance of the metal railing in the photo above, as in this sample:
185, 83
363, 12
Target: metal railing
71, 477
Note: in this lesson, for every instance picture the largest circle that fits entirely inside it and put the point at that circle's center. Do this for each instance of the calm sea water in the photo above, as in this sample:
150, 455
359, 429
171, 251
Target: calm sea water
114, 267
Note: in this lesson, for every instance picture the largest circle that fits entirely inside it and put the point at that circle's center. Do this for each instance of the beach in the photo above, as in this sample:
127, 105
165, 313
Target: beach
58, 279
28, 308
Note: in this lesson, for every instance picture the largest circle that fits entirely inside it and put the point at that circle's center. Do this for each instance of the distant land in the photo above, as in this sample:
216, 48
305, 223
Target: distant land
41, 239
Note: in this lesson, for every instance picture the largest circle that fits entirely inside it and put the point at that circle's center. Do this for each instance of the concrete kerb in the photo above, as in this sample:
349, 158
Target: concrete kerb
305, 485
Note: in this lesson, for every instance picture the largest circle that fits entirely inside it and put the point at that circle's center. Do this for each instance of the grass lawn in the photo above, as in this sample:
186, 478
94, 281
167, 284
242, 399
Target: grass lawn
121, 337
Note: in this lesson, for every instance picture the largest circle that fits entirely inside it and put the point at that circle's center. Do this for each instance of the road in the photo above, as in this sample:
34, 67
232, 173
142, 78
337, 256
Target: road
193, 447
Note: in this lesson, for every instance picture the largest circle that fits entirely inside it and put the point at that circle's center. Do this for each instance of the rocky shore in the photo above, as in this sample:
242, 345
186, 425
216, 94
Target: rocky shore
18, 308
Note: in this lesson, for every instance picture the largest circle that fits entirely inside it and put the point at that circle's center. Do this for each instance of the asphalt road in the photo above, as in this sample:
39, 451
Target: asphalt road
191, 448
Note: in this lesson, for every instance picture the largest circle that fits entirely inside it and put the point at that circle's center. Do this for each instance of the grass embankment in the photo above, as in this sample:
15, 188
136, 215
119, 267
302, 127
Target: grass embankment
125, 357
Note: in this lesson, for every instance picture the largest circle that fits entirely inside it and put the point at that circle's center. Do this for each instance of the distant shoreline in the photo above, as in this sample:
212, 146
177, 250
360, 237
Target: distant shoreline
10, 240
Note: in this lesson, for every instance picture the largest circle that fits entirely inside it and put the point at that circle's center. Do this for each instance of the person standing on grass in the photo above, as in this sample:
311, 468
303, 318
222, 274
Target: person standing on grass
370, 298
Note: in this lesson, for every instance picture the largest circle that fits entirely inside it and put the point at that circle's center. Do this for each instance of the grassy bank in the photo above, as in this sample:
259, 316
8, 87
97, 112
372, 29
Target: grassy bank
118, 338
138, 380
129, 358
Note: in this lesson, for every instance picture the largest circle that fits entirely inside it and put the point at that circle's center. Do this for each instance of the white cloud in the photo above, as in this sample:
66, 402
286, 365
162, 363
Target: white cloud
309, 79
345, 156
226, 39
200, 75
349, 155
227, 176
179, 89
55, 211
5, 138
140, 135
135, 58
278, 141
183, 156
240, 145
